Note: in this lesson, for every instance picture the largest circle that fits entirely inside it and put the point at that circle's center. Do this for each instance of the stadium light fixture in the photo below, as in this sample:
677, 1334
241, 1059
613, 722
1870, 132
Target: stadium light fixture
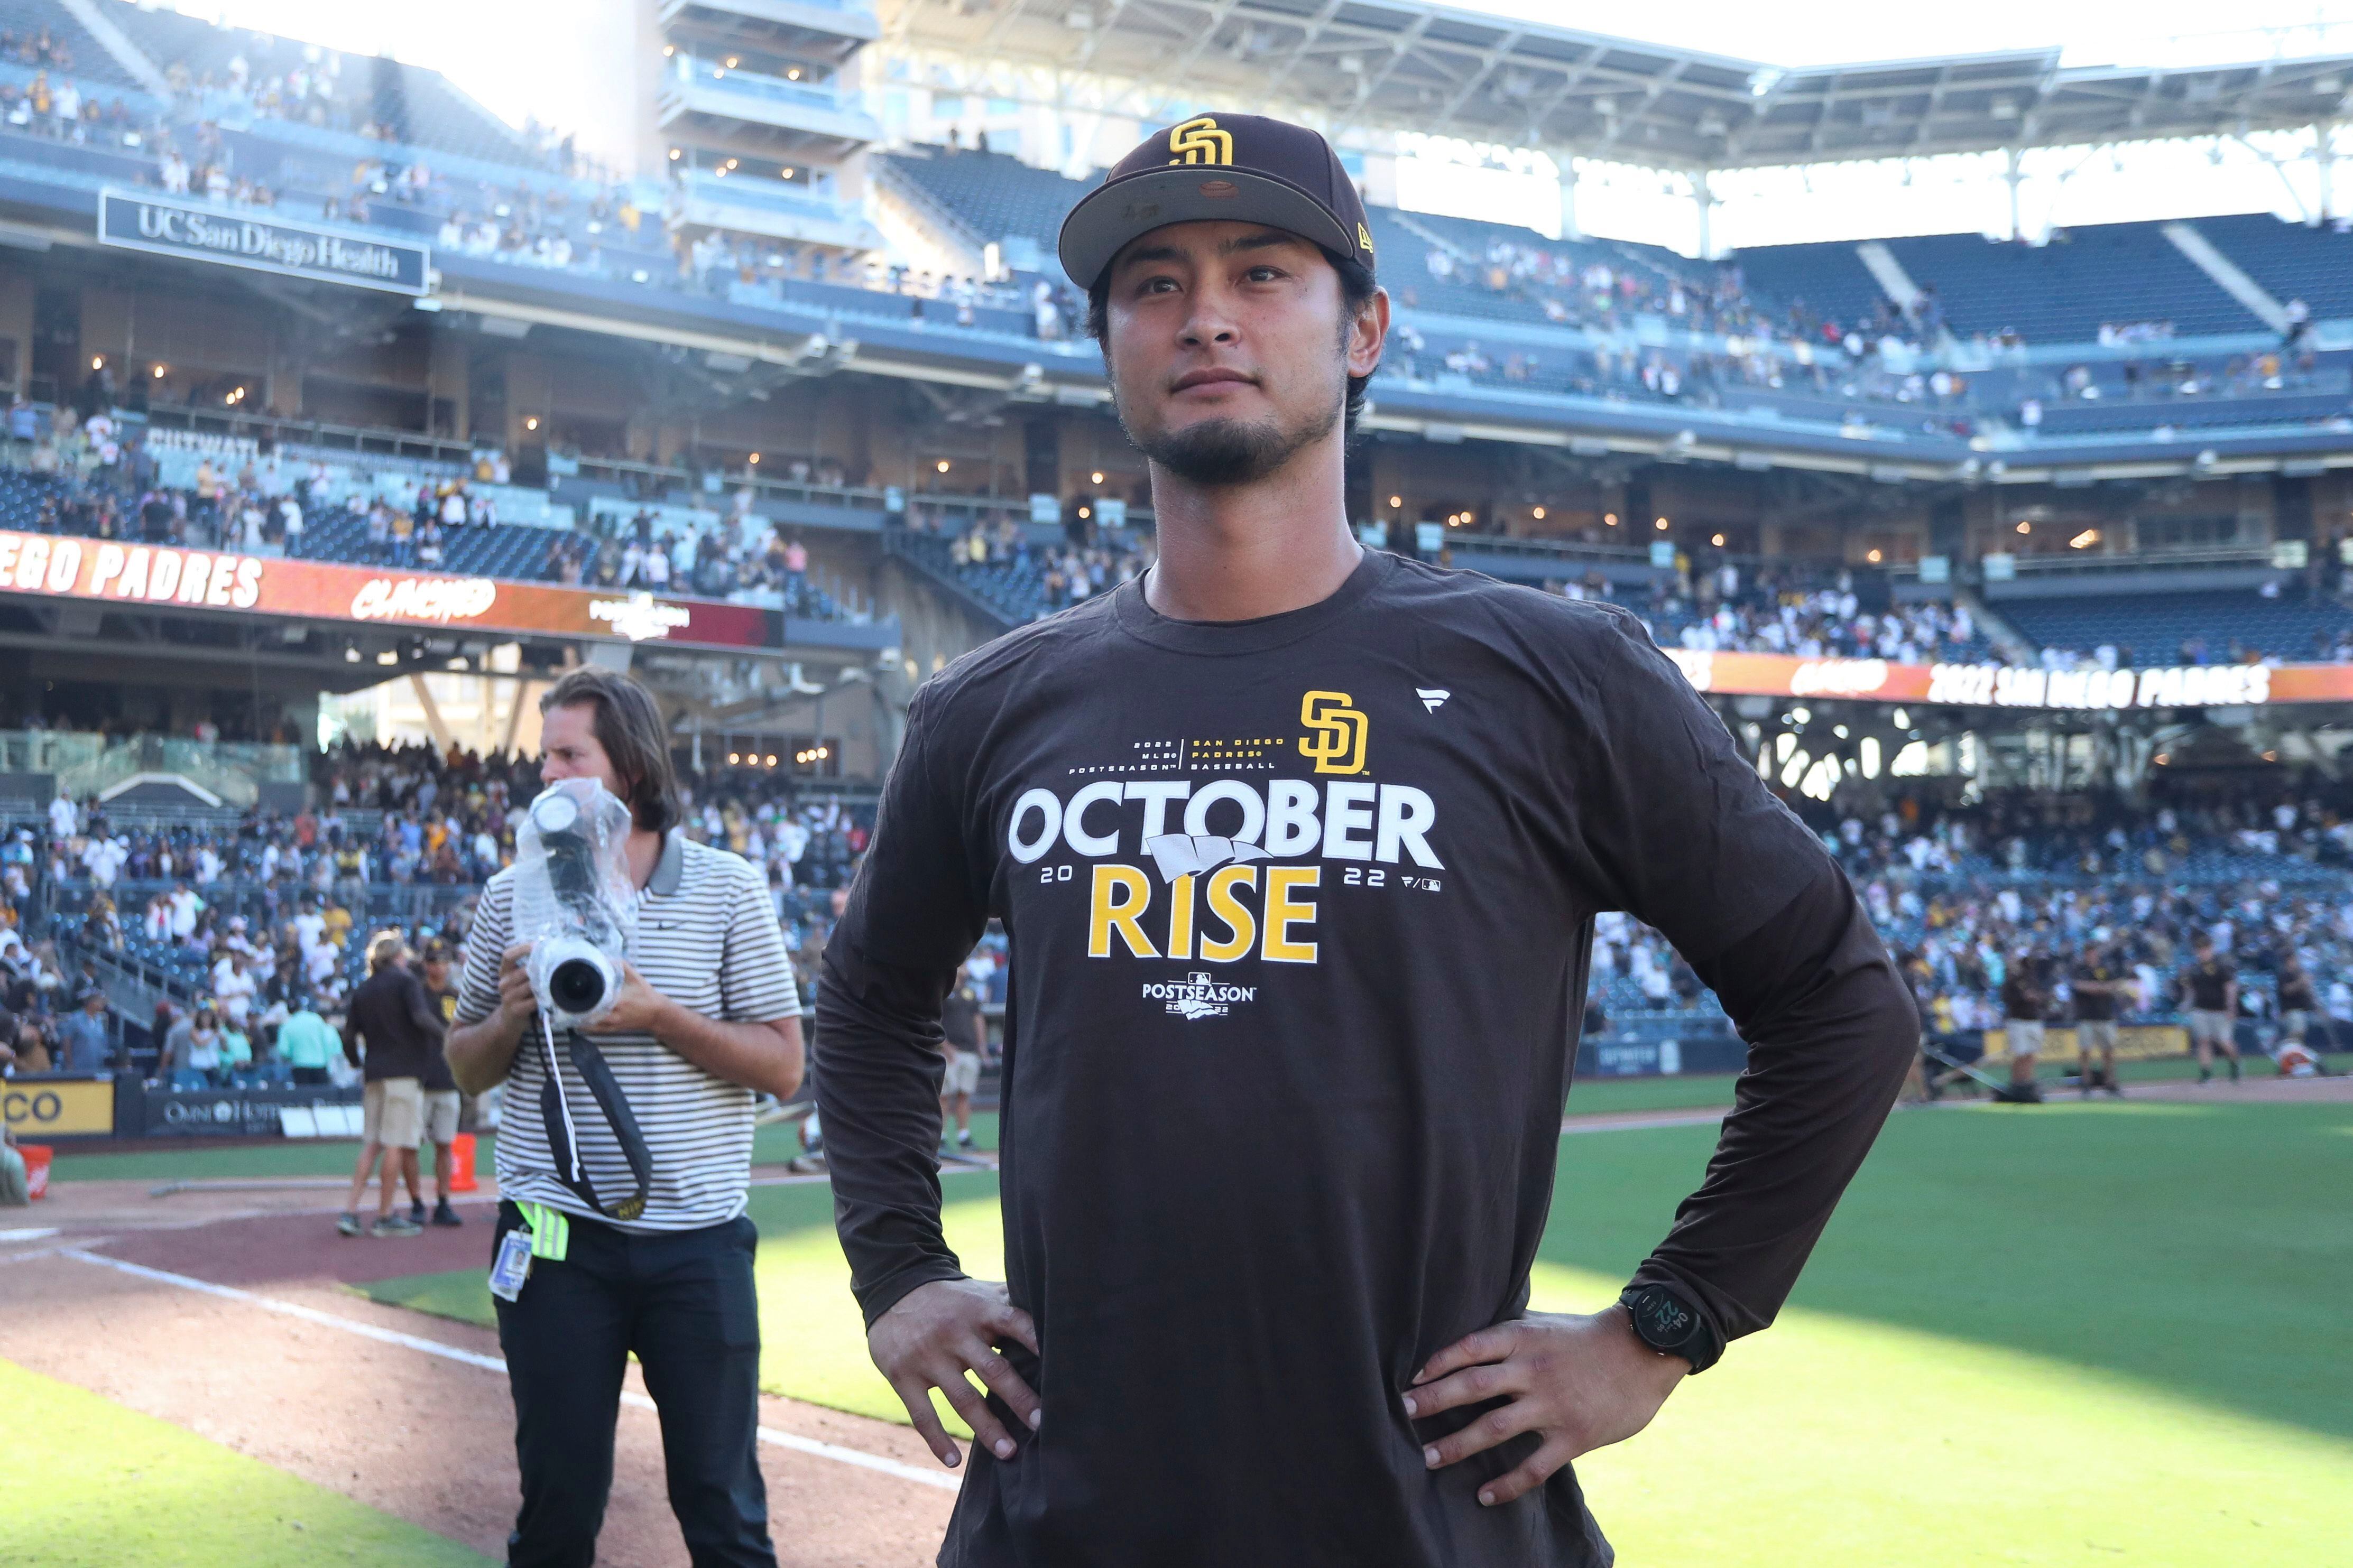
1397, 501
1538, 514
772, 758
733, 757
532, 423
1875, 557
1086, 512
942, 465
1611, 518
1095, 478
674, 153
755, 458
1719, 542
158, 372
732, 62
2026, 528
1662, 525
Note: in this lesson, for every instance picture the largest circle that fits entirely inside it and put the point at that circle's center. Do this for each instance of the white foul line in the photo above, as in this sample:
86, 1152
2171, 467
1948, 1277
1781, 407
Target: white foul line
794, 1441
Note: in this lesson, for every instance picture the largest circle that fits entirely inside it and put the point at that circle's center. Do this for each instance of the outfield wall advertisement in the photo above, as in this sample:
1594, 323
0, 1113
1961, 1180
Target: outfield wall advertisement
38, 1107
158, 576
2009, 686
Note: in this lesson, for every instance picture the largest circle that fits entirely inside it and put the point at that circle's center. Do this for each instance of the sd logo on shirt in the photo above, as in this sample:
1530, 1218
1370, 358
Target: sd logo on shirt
1337, 744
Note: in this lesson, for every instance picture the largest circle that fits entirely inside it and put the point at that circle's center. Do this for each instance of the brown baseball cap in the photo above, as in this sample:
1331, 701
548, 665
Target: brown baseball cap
1236, 167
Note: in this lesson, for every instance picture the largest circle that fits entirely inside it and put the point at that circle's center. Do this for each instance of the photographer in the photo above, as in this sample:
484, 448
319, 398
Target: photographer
706, 1018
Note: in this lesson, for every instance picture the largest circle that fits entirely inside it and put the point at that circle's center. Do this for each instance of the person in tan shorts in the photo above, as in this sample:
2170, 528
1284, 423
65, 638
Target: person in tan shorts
392, 1032
443, 1104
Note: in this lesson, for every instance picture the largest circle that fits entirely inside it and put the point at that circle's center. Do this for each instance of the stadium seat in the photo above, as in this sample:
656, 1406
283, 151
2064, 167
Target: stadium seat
91, 65
2190, 627
2291, 260
2064, 291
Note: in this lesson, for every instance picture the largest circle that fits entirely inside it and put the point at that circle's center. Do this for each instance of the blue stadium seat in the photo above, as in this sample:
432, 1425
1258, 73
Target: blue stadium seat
419, 107
2062, 291
2158, 628
994, 195
27, 20
1828, 280
2291, 260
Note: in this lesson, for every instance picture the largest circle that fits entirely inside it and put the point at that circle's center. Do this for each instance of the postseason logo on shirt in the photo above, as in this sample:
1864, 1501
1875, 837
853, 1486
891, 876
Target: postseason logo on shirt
1220, 869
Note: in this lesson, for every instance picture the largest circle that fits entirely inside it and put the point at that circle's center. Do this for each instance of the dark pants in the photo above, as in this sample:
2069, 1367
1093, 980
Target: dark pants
309, 1077
683, 1302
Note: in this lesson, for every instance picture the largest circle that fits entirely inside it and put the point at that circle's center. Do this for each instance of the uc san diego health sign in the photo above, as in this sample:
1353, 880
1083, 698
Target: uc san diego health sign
174, 225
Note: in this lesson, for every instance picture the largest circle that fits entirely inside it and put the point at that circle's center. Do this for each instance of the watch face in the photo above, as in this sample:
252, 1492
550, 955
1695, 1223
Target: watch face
1661, 1319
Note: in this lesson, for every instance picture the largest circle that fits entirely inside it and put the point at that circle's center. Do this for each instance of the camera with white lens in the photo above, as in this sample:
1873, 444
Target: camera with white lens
575, 900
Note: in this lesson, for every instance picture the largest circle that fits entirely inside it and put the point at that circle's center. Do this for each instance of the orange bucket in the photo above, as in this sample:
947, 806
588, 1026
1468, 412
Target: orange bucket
461, 1164
37, 1168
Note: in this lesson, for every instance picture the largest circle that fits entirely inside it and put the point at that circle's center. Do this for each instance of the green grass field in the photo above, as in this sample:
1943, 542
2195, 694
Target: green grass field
75, 1457
2077, 1334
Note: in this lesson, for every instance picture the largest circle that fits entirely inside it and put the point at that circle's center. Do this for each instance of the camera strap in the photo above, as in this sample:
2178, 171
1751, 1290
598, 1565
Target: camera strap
563, 1139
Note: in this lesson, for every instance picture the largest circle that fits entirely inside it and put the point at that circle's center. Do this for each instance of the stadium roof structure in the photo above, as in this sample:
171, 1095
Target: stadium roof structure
1401, 65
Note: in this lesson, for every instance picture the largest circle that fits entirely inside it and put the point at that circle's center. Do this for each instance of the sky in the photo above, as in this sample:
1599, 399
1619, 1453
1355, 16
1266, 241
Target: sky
493, 49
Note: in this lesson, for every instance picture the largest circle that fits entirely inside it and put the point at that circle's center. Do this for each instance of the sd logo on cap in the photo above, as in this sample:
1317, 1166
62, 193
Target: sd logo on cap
1267, 171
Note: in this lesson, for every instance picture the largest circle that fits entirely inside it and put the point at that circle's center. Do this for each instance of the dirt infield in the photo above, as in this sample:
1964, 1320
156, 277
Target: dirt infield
2262, 1086
418, 1436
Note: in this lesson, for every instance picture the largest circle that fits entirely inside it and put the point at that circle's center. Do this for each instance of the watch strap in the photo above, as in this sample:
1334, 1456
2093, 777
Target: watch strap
1667, 1321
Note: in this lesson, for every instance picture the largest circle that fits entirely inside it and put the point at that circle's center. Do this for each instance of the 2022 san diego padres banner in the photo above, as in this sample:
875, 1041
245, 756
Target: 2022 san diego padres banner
147, 576
2013, 685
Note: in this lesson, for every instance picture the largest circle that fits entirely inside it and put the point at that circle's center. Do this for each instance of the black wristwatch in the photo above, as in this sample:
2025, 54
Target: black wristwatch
1671, 1325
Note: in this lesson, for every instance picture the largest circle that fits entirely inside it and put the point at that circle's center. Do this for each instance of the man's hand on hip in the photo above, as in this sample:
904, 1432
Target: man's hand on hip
1578, 1382
937, 1332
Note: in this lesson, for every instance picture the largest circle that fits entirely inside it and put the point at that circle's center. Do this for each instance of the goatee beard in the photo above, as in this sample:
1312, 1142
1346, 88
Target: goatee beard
1219, 453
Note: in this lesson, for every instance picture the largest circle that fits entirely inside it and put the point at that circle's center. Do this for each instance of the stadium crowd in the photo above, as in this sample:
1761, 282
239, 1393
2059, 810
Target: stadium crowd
262, 917
2052, 910
1792, 610
1042, 580
102, 476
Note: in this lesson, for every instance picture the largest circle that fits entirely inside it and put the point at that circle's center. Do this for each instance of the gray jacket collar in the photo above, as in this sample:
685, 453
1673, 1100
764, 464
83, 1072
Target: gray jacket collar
670, 867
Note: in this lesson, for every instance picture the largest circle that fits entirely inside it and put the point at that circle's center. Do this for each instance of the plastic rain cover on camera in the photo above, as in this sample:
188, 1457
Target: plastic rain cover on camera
572, 890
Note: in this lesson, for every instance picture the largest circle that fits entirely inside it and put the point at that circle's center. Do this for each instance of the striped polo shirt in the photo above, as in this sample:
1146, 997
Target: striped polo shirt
707, 938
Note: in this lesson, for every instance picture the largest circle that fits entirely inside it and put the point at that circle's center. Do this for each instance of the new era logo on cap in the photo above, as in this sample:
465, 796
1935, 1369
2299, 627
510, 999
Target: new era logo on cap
1269, 171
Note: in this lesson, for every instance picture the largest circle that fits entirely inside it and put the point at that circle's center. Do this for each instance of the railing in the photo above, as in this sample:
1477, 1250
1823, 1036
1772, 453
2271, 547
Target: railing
691, 72
752, 191
86, 764
357, 441
2084, 563
47, 751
